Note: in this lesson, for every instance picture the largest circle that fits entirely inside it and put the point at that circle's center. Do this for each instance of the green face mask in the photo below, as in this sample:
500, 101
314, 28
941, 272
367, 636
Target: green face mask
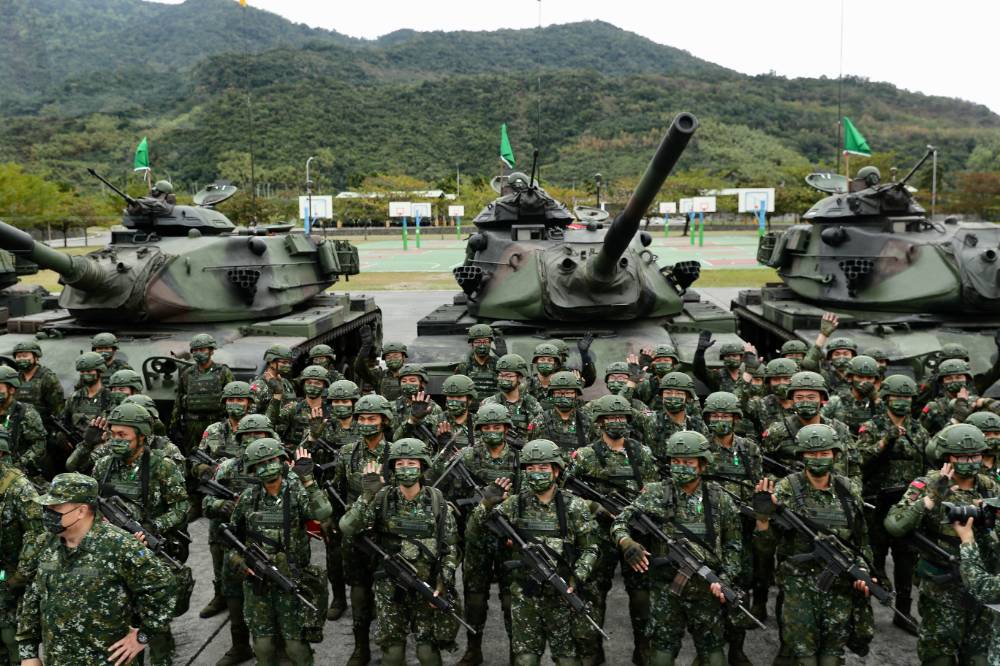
506, 385
322, 361
819, 466
865, 387
617, 387
663, 367
24, 364
117, 397
954, 387
492, 437
201, 358
409, 390
341, 411
540, 481
545, 369
683, 474
755, 389
394, 364
732, 362
481, 350
720, 428
616, 429
455, 407
236, 410
674, 404
107, 355
899, 406
840, 362
780, 390
120, 447
88, 378
968, 470
806, 409
284, 369
563, 402
369, 429
312, 391
268, 471
407, 476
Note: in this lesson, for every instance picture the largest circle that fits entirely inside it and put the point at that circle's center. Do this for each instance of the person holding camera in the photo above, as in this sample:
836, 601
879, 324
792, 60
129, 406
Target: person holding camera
983, 585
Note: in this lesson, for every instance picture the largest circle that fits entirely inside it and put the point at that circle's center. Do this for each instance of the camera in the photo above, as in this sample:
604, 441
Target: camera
981, 516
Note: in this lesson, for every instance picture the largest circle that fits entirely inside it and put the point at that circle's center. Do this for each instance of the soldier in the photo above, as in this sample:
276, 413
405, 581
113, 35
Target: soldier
685, 504
232, 473
542, 511
929, 382
24, 427
989, 423
774, 406
459, 397
20, 525
385, 382
512, 370
413, 406
298, 418
880, 357
271, 389
807, 391
816, 624
160, 202
124, 383
400, 515
198, 399
892, 447
40, 386
663, 359
152, 486
831, 356
373, 414
563, 422
89, 605
956, 396
951, 631
733, 356
342, 428
481, 363
676, 391
324, 357
615, 463
545, 361
982, 583
753, 384
106, 344
620, 380
794, 350
160, 442
92, 400
860, 402
272, 515
587, 372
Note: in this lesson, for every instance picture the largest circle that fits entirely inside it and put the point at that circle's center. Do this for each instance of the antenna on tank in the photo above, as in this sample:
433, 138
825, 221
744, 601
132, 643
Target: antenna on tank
534, 167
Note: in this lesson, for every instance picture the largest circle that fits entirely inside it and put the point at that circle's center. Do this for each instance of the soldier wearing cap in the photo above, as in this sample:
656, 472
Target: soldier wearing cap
198, 399
40, 387
97, 594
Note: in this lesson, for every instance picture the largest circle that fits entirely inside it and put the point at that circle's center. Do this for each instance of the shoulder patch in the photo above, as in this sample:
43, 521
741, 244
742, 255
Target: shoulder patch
917, 483
926, 409
765, 433
862, 428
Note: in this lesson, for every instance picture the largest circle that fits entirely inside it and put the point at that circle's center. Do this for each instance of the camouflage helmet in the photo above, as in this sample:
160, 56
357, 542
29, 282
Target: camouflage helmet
373, 403
954, 366
393, 348
689, 444
414, 370
808, 381
869, 174
794, 347
759, 371
132, 415
541, 451
277, 353
985, 421
565, 380
202, 341
477, 331
321, 350
255, 423
10, 376
665, 351
409, 447
236, 390
817, 437
561, 346
145, 402
898, 385
959, 439
89, 361
616, 368
864, 366
878, 354
163, 187
722, 402
953, 350
262, 450
612, 405
730, 348
343, 389
104, 340
493, 413
781, 367
30, 346
315, 372
5, 440
679, 381
126, 378
512, 363
841, 343
457, 385
545, 349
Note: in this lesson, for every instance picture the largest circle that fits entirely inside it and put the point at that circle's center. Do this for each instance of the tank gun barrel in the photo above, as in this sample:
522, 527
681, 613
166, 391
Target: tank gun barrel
916, 167
626, 224
79, 272
129, 200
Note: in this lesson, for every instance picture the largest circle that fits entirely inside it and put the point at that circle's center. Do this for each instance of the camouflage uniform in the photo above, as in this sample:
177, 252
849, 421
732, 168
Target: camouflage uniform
295, 422
81, 409
219, 440
263, 395
27, 436
521, 412
373, 377
983, 584
851, 410
44, 392
483, 374
402, 409
665, 427
779, 443
722, 379
835, 376
198, 402
569, 434
74, 604
20, 525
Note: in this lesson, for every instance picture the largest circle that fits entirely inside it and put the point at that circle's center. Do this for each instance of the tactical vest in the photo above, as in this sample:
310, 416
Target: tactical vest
486, 472
735, 461
837, 518
300, 421
427, 524
230, 448
13, 421
388, 387
30, 391
82, 410
483, 376
621, 476
343, 436
553, 531
567, 435
204, 390
518, 414
271, 526
135, 491
356, 465
240, 480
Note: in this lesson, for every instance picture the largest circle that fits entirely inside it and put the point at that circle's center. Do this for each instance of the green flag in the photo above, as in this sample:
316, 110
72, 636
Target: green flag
854, 143
141, 161
506, 152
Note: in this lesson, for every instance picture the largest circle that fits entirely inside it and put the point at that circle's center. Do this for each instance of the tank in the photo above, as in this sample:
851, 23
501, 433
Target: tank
172, 271
537, 271
898, 280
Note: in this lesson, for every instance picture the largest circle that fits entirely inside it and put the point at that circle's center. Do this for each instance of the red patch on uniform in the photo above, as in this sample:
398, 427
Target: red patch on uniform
917, 484
573, 454
764, 434
531, 426
926, 409
204, 434
862, 429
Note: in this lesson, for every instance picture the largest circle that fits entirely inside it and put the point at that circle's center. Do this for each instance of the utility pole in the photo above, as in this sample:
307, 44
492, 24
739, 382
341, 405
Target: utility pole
458, 180
309, 196
933, 182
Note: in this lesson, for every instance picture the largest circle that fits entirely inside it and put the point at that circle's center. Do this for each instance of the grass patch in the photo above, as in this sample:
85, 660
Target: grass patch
737, 277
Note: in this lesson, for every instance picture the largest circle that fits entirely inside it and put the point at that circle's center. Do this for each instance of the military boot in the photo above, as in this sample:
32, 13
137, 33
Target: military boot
337, 608
236, 655
736, 655
908, 623
473, 650
362, 651
640, 654
759, 606
216, 605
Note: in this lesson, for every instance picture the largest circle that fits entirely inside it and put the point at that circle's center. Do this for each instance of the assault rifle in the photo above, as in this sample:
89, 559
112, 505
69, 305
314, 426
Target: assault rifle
262, 567
613, 502
460, 470
117, 513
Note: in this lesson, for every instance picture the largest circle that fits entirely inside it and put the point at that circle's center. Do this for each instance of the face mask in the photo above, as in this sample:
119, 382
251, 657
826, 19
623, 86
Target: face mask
52, 521
322, 362
455, 407
780, 390
492, 438
683, 474
116, 397
968, 469
268, 472
506, 385
409, 390
107, 355
407, 476
88, 378
663, 367
120, 447
201, 358
806, 408
674, 404
24, 364
247, 439
369, 429
563, 402
236, 410
481, 350
311, 391
394, 364
731, 362
899, 407
284, 369
954, 387
616, 429
539, 481
545, 369
342, 411
755, 389
721, 428
819, 466
840, 362
617, 387
865, 387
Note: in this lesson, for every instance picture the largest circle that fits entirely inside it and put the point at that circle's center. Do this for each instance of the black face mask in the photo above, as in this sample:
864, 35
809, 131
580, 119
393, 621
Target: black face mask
52, 521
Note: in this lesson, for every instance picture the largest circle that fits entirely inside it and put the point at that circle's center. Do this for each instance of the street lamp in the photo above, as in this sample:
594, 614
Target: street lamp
309, 198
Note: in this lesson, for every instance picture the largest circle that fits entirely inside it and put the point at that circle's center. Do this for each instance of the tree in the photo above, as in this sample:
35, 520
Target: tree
978, 193
986, 155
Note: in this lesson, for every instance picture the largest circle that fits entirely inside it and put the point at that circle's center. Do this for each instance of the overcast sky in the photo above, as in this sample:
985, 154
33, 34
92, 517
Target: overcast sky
922, 45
